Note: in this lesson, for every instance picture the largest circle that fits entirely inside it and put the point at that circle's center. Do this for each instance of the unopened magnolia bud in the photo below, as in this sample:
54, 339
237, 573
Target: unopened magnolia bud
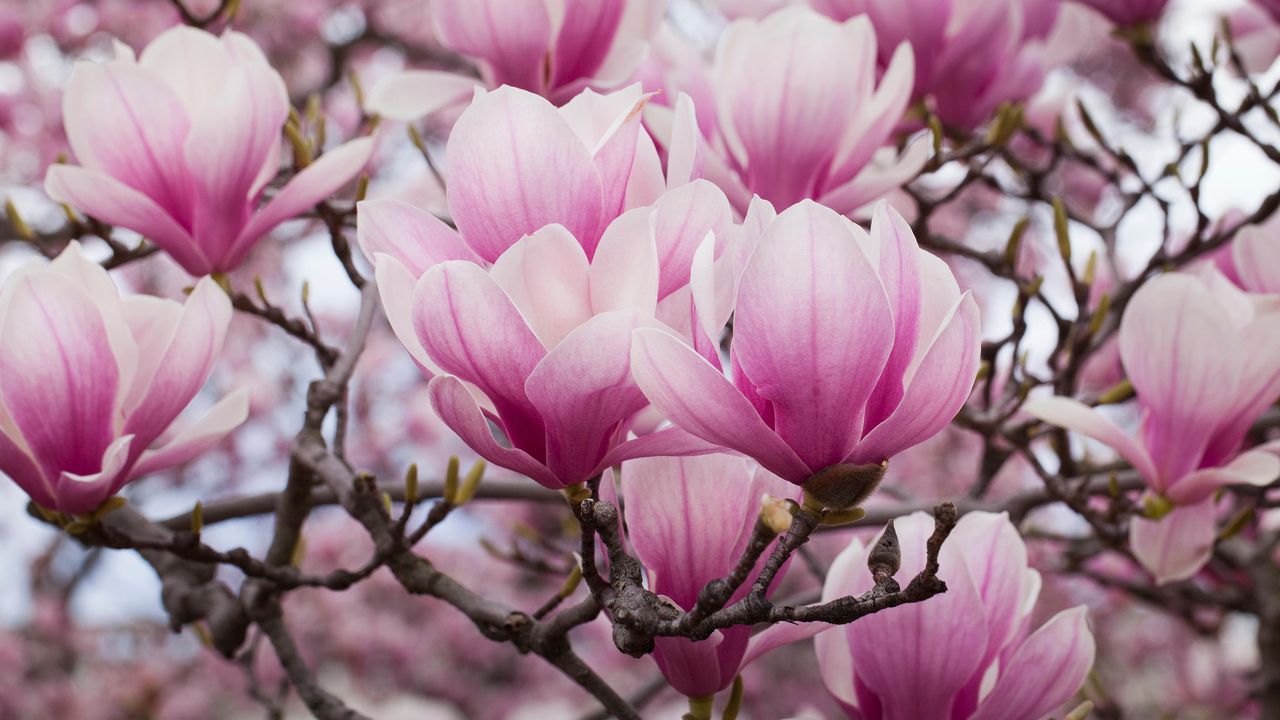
886, 555
776, 513
841, 487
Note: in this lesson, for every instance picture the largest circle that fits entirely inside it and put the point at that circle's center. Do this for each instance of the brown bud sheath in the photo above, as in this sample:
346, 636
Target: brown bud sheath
844, 486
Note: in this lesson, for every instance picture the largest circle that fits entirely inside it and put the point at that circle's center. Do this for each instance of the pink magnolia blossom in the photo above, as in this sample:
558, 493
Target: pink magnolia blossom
515, 163
1255, 259
847, 347
801, 114
89, 396
554, 49
179, 144
544, 335
688, 521
970, 55
968, 654
1201, 357
1128, 12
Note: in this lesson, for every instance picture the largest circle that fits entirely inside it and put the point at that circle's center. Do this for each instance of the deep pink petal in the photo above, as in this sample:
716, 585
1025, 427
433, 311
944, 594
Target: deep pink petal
512, 38
1176, 546
899, 269
83, 492
813, 330
697, 397
514, 165
586, 34
1045, 671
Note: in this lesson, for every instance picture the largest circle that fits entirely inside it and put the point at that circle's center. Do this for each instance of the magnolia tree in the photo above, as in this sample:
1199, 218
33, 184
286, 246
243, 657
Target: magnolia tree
882, 359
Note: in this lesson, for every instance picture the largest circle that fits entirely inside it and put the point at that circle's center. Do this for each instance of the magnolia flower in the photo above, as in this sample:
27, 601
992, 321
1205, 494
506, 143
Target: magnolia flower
89, 396
1255, 259
1201, 358
515, 163
543, 337
801, 115
179, 144
1128, 12
847, 347
968, 654
554, 49
688, 521
970, 55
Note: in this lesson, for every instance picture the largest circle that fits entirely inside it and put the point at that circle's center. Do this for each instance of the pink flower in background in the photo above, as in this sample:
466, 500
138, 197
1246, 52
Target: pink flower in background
179, 144
13, 33
968, 654
688, 521
1255, 259
1271, 6
1201, 357
876, 354
515, 163
802, 113
543, 336
90, 393
970, 55
1128, 12
554, 49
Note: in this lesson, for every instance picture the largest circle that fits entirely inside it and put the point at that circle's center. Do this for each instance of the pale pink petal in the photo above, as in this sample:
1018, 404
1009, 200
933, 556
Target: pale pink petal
684, 144
1259, 385
668, 442
187, 354
1075, 415
848, 575
646, 183
624, 271
613, 145
888, 172
546, 276
514, 165
936, 389
115, 203
583, 391
875, 122
125, 122
1176, 546
1257, 468
898, 260
414, 94
96, 281
812, 331
1185, 362
395, 287
512, 38
193, 63
316, 182
776, 636
997, 559
1046, 670
61, 382
411, 235
83, 492
455, 406
185, 441
697, 397
471, 329
682, 219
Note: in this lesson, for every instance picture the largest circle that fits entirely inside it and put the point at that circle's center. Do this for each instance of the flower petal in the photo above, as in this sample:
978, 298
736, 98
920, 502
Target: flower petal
1177, 545
192, 63
624, 271
1256, 253
816, 354
183, 442
1257, 468
586, 33
1045, 671
82, 493
111, 201
547, 278
697, 397
514, 165
848, 575
935, 391
455, 406
395, 288
512, 39
682, 219
414, 94
411, 235
1075, 415
898, 263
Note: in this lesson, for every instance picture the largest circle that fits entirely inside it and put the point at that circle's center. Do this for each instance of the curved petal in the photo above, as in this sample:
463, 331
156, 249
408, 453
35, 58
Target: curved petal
22, 469
111, 201
455, 406
1185, 362
471, 329
512, 38
414, 94
82, 493
395, 288
997, 559
624, 271
586, 33
1045, 671
888, 171
1176, 546
185, 350
96, 281
61, 382
898, 260
667, 442
411, 235
316, 182
875, 122
514, 165
192, 62
682, 219
183, 442
1257, 468
846, 576
1257, 258
547, 278
1075, 415
697, 397
935, 391
103, 109
583, 391
813, 330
